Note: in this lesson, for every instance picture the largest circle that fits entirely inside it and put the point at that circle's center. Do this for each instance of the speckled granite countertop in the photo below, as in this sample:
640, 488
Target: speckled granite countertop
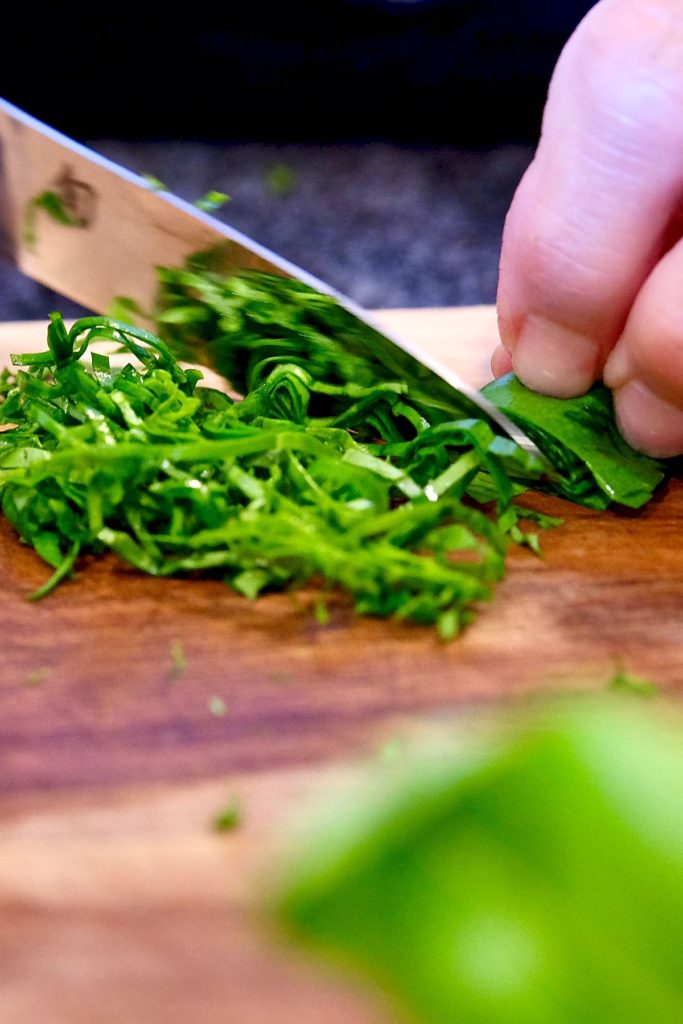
387, 225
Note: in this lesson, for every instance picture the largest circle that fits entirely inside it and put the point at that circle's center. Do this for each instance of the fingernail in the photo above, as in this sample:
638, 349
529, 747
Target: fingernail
554, 360
647, 422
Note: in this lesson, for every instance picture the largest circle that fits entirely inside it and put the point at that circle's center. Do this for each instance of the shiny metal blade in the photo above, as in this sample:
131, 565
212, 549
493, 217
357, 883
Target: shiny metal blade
92, 230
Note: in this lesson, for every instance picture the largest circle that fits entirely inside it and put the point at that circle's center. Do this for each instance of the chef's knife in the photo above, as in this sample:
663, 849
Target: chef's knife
111, 228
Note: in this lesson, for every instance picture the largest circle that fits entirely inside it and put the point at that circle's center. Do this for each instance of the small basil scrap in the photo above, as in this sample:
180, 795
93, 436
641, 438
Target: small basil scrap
579, 436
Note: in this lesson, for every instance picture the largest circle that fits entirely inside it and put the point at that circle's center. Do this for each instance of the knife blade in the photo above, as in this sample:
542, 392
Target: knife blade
111, 229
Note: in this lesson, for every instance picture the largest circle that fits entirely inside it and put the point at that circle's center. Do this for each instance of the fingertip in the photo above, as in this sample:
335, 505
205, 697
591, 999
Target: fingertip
645, 369
648, 422
554, 359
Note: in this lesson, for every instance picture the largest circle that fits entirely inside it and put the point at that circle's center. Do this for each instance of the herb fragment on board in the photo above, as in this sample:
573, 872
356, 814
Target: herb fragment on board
321, 613
393, 750
178, 659
229, 816
281, 677
217, 707
628, 683
36, 676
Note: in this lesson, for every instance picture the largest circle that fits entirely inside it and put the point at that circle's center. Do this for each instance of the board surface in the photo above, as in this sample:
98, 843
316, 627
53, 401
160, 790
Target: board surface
118, 901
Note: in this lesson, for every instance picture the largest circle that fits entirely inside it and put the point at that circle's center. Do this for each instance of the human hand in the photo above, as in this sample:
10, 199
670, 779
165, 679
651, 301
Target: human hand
591, 274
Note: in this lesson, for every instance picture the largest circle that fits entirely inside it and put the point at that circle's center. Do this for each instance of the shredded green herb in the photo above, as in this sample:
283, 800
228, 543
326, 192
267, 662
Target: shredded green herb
392, 750
217, 707
321, 612
281, 678
55, 207
212, 201
244, 325
628, 683
154, 183
328, 471
178, 659
301, 481
229, 817
36, 676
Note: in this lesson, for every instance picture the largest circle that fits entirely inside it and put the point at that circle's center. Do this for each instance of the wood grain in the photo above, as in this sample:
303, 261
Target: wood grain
117, 899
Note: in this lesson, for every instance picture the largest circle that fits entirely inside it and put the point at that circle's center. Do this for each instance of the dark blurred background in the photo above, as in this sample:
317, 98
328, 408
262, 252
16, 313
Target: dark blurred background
376, 143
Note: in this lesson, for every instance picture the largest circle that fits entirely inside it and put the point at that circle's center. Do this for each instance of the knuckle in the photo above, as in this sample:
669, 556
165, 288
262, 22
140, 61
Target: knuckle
560, 263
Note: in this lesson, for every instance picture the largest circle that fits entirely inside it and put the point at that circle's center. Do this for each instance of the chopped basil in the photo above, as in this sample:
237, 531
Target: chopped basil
245, 325
300, 482
326, 471
229, 816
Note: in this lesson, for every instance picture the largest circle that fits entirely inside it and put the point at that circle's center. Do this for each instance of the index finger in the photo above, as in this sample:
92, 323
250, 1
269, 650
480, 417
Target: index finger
594, 211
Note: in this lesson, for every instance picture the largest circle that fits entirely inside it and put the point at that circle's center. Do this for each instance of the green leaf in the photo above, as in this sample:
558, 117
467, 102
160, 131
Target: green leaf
579, 435
212, 201
532, 875
154, 183
270, 492
229, 816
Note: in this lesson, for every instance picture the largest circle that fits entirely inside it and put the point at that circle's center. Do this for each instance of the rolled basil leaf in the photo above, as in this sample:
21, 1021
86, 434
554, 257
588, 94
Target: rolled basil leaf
596, 466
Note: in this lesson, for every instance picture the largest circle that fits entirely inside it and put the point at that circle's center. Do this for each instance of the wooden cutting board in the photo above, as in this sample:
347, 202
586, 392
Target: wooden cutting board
118, 900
